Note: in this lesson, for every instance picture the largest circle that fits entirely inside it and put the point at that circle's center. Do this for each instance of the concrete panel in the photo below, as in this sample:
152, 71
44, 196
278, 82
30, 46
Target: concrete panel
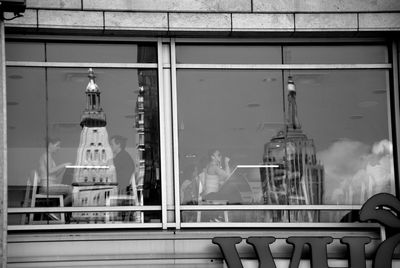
91, 250
54, 4
136, 21
326, 22
379, 22
199, 22
325, 5
170, 5
262, 22
28, 20
70, 19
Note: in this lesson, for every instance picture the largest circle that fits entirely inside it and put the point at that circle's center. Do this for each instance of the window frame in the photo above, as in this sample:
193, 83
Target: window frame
167, 67
45, 64
393, 114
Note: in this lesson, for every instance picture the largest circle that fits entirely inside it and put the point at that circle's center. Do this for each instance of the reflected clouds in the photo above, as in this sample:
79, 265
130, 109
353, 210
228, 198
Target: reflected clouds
355, 171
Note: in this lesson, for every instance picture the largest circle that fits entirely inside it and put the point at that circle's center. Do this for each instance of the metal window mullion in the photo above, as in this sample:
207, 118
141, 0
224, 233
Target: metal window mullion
175, 135
3, 151
81, 209
200, 66
269, 207
285, 66
278, 40
100, 226
170, 191
396, 116
79, 38
80, 64
281, 225
161, 113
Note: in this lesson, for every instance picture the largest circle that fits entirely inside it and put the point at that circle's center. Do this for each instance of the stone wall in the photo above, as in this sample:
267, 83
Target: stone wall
221, 17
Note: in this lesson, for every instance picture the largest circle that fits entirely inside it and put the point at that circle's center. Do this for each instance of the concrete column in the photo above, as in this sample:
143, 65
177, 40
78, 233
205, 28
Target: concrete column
3, 150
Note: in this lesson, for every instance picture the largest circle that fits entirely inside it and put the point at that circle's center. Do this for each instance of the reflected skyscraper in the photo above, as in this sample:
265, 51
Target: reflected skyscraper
298, 178
147, 139
94, 176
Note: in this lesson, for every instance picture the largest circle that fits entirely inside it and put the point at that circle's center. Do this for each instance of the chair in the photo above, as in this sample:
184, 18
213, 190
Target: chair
134, 197
213, 202
123, 200
201, 186
32, 183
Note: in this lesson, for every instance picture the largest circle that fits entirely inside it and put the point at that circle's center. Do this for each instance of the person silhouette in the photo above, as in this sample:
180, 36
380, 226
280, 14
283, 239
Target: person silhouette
215, 175
51, 174
123, 162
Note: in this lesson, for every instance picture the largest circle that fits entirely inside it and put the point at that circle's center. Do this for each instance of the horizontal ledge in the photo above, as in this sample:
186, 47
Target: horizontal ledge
138, 28
75, 38
68, 27
79, 64
200, 66
264, 30
82, 226
282, 225
82, 209
275, 40
325, 29
182, 207
199, 29
197, 40
284, 66
269, 207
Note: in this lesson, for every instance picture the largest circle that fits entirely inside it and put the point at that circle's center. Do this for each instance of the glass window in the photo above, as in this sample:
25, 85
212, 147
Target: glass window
19, 51
83, 137
322, 54
228, 54
94, 52
299, 137
26, 131
80, 137
115, 142
224, 119
345, 119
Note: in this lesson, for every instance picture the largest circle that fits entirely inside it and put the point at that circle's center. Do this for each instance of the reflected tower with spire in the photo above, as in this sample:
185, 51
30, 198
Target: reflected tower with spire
94, 178
299, 178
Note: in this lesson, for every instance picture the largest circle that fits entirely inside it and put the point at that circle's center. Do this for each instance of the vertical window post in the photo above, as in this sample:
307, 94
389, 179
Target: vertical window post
3, 150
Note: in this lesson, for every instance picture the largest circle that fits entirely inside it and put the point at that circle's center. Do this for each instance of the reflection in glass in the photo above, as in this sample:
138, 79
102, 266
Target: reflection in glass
297, 178
83, 166
334, 148
26, 125
348, 120
108, 169
94, 178
94, 52
224, 118
23, 51
228, 54
355, 54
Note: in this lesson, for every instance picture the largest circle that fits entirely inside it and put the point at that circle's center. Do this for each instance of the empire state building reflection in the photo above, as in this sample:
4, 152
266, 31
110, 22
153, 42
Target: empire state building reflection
94, 178
299, 179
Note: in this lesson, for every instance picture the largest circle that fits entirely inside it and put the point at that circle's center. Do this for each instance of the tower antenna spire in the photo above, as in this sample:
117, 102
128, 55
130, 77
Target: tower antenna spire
93, 115
292, 120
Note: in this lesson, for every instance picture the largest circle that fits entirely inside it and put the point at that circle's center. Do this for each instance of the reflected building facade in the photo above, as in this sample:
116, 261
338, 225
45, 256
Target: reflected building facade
295, 177
148, 178
94, 178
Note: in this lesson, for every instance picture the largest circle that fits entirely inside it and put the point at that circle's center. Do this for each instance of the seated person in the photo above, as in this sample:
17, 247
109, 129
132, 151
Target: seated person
51, 174
215, 175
